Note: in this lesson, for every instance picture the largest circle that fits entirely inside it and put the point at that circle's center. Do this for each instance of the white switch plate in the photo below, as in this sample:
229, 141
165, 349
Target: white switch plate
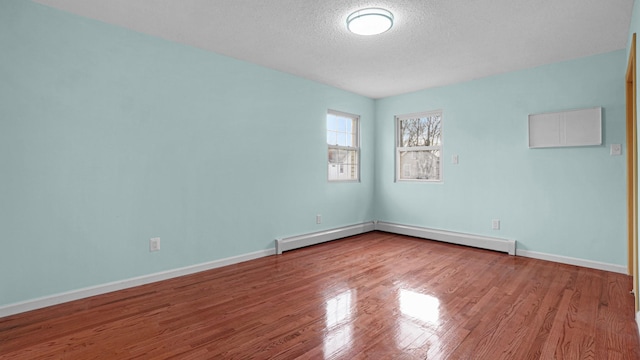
454, 159
616, 149
154, 244
495, 224
318, 219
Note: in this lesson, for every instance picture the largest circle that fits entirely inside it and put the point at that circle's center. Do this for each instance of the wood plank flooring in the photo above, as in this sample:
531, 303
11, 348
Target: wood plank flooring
372, 296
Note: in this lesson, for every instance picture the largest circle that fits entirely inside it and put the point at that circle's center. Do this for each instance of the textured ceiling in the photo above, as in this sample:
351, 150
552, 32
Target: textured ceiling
433, 42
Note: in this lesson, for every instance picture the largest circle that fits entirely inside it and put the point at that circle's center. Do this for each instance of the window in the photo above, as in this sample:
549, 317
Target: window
419, 147
343, 146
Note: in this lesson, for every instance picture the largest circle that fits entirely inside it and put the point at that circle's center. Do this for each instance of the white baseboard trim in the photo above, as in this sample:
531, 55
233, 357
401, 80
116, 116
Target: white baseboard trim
56, 299
573, 261
299, 241
483, 242
285, 244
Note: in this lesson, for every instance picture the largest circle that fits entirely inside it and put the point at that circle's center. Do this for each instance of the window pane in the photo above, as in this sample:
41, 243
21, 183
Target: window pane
341, 131
343, 164
423, 131
331, 122
352, 171
342, 139
420, 165
343, 151
333, 156
331, 138
342, 124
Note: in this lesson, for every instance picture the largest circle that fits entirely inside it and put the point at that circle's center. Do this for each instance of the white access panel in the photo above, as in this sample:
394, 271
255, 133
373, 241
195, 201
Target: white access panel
566, 128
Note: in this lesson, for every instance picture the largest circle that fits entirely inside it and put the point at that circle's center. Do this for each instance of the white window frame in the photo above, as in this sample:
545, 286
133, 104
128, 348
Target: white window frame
402, 171
356, 147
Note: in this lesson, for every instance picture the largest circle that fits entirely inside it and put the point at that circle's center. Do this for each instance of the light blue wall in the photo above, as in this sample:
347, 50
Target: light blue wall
109, 137
562, 201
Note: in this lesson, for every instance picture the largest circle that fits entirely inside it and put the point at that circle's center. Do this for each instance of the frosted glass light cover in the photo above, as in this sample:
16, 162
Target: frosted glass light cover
370, 21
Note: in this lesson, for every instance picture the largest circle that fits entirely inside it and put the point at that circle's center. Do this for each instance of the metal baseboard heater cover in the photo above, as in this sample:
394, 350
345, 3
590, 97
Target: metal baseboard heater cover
482, 242
299, 241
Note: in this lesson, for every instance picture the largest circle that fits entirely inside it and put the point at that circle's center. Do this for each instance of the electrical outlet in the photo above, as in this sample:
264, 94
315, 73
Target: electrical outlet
154, 244
318, 219
495, 224
454, 159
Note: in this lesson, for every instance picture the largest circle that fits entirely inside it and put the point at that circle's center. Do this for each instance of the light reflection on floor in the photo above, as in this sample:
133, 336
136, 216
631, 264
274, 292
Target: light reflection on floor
419, 323
425, 308
338, 323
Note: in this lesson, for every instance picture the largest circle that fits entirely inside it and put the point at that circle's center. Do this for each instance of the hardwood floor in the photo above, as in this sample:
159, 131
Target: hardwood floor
372, 296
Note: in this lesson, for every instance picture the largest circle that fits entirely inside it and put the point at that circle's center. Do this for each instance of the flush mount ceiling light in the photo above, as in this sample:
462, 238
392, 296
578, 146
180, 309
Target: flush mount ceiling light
371, 21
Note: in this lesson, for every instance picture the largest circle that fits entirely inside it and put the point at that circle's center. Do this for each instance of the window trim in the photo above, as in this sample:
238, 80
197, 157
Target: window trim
399, 149
356, 119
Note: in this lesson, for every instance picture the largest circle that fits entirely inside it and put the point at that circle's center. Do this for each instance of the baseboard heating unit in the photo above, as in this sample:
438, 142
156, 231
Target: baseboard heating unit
482, 242
299, 241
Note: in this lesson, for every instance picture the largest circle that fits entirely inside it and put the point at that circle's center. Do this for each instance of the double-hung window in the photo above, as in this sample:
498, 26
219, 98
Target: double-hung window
419, 147
343, 146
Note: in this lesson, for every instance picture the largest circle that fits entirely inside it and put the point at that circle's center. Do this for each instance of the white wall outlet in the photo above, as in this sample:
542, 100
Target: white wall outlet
318, 219
154, 244
616, 149
495, 224
454, 159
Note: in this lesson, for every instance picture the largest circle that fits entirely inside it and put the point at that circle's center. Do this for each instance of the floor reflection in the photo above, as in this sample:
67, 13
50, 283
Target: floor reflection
417, 327
425, 308
339, 329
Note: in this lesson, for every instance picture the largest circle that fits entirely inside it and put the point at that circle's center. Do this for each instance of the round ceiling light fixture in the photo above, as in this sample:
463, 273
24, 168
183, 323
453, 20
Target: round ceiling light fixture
370, 21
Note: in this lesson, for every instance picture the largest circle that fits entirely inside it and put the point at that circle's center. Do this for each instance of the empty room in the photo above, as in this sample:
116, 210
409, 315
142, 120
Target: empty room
243, 179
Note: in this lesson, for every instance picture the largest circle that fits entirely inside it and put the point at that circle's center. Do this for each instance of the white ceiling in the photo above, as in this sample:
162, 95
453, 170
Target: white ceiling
433, 42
